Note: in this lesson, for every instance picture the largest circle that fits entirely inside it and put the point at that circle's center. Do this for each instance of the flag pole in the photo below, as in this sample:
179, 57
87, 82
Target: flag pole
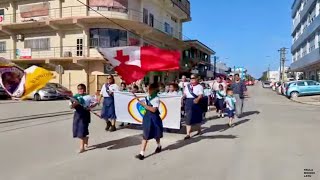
94, 113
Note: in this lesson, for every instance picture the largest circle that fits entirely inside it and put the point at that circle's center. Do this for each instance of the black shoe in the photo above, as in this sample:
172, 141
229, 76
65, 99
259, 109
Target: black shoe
121, 125
139, 156
158, 150
113, 128
187, 137
108, 126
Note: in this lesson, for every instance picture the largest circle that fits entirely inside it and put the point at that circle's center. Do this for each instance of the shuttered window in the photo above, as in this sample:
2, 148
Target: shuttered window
2, 47
37, 44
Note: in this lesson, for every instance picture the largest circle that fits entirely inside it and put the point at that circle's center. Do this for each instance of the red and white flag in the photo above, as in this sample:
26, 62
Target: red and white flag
132, 63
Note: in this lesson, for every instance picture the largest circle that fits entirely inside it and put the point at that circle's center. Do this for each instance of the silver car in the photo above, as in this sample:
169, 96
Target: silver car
3, 93
46, 93
266, 84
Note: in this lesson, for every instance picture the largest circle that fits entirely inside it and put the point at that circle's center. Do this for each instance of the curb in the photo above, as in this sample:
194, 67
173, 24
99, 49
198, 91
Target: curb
307, 103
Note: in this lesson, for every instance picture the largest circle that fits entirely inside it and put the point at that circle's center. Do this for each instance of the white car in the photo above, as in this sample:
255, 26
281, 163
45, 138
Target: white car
46, 93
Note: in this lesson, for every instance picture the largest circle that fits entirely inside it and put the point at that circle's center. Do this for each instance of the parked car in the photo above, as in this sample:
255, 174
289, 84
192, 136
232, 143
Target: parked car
63, 92
302, 88
275, 85
46, 93
266, 84
3, 93
284, 87
249, 83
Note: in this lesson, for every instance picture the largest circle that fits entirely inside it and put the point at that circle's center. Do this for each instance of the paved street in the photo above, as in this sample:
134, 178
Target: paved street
277, 139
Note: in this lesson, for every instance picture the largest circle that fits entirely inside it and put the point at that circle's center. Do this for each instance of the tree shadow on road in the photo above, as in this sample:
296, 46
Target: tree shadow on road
119, 143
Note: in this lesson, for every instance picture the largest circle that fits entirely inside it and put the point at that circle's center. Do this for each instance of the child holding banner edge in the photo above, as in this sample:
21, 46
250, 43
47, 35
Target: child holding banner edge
152, 124
81, 118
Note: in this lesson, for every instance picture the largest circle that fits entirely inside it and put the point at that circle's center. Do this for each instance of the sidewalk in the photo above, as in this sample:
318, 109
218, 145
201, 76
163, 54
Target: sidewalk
311, 100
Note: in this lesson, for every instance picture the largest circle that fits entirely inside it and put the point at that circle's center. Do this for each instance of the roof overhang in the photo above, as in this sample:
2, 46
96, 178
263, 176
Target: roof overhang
199, 45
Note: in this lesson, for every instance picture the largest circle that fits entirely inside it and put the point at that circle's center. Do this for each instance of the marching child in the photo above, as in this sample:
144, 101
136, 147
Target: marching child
220, 95
81, 118
231, 104
152, 124
173, 90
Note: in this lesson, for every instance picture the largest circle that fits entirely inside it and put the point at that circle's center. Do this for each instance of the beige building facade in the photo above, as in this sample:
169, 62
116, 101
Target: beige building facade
67, 33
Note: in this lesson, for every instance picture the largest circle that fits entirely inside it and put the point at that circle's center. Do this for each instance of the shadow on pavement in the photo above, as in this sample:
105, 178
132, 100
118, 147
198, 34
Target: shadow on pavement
182, 143
249, 113
119, 143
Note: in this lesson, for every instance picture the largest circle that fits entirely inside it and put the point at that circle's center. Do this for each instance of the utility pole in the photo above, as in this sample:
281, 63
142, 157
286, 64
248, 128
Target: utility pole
268, 74
214, 66
283, 52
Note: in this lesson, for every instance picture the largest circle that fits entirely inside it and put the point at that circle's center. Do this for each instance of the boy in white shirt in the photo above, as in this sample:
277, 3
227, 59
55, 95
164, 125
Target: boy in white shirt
231, 104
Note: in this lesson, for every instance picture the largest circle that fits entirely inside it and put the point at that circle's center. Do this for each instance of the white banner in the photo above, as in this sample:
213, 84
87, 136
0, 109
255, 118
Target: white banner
130, 111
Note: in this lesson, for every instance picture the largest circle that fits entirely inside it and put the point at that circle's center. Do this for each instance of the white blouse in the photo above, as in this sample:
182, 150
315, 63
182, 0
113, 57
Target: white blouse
112, 88
197, 90
155, 102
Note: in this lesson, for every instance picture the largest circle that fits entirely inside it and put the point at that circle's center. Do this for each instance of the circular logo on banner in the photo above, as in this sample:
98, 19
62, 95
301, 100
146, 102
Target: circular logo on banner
137, 111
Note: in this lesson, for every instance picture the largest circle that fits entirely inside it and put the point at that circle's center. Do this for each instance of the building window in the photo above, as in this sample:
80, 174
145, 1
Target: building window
101, 37
174, 19
145, 16
151, 20
167, 28
1, 15
2, 47
37, 44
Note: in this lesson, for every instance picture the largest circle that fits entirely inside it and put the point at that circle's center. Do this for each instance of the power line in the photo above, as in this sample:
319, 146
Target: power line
148, 41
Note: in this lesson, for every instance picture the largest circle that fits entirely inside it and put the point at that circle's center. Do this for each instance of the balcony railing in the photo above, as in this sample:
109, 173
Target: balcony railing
184, 5
82, 11
55, 52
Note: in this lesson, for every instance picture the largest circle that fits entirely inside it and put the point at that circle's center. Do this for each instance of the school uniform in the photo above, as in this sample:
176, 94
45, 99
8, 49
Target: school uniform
81, 119
220, 99
174, 93
152, 124
108, 110
231, 105
194, 112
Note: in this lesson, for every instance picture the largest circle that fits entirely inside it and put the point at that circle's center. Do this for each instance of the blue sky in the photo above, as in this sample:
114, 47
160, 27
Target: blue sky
244, 31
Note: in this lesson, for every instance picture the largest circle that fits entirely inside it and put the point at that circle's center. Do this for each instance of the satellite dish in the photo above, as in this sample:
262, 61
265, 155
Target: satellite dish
109, 67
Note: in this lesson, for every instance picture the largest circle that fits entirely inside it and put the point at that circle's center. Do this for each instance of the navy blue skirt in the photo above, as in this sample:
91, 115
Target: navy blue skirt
152, 126
81, 121
194, 113
220, 104
108, 110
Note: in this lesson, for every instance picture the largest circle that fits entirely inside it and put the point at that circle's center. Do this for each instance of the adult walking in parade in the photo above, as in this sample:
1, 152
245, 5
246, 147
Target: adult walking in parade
193, 94
108, 110
239, 90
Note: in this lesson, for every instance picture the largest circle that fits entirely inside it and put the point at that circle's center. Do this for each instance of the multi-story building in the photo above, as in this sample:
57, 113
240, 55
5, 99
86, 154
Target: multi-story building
197, 59
49, 33
305, 38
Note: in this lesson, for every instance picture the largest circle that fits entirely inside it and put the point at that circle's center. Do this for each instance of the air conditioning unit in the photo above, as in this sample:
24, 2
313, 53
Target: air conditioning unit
67, 54
20, 37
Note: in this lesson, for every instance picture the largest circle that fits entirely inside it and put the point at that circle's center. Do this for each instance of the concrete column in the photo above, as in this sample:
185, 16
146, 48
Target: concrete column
317, 8
60, 8
317, 41
13, 39
13, 6
60, 36
86, 42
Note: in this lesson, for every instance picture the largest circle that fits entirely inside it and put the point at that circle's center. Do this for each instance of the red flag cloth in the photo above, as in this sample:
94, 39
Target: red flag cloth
132, 63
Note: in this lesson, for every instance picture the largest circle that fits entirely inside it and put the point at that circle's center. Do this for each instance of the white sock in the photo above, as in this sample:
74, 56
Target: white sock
142, 153
159, 145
